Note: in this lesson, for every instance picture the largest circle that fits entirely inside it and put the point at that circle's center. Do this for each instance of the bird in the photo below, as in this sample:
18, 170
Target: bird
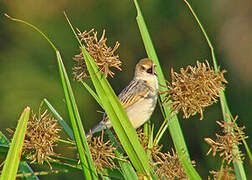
138, 99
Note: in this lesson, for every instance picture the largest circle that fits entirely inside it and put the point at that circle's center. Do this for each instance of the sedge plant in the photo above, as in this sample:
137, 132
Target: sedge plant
128, 154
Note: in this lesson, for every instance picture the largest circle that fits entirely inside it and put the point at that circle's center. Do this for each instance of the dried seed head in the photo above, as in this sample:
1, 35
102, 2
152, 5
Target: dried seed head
166, 165
226, 174
225, 144
194, 88
41, 134
102, 152
101, 53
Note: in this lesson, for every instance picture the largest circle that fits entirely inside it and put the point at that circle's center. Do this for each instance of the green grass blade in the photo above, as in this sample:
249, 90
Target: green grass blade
33, 27
4, 139
128, 171
79, 133
60, 119
227, 116
113, 173
121, 124
14, 154
126, 168
23, 166
92, 92
173, 123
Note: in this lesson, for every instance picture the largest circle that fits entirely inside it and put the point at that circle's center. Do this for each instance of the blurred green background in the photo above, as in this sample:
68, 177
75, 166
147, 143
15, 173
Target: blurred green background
29, 72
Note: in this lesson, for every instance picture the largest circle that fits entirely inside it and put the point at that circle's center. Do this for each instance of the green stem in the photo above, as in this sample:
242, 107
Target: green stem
33, 27
204, 33
239, 169
221, 169
174, 126
66, 142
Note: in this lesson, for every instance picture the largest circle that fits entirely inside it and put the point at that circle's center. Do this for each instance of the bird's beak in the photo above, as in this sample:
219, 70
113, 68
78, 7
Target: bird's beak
154, 70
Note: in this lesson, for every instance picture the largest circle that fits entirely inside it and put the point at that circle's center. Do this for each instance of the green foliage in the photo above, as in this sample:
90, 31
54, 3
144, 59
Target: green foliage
79, 133
121, 124
106, 98
60, 119
14, 154
227, 116
172, 120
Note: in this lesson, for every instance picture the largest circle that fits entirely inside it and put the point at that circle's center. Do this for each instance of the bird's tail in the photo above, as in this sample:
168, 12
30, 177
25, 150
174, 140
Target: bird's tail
99, 127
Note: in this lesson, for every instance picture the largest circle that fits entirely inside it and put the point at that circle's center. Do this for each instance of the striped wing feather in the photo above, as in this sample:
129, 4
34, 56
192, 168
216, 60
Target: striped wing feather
135, 91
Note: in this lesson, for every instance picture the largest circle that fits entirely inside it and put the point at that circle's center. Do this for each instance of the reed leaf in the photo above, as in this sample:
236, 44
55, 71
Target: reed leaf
227, 116
78, 130
14, 154
79, 133
62, 122
172, 120
23, 166
118, 117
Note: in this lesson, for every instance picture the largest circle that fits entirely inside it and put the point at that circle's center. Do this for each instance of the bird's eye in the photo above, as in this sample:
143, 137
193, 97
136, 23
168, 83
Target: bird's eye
149, 70
143, 68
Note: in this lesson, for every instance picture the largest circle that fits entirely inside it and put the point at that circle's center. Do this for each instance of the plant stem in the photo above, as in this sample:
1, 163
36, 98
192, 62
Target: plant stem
239, 169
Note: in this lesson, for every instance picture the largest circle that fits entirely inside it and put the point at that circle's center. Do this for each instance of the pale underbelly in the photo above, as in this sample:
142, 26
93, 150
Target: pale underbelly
140, 112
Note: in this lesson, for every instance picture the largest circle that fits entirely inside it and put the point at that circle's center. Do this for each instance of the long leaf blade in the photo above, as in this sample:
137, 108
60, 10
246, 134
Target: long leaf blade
227, 116
121, 124
90, 90
23, 166
116, 113
60, 119
14, 154
173, 123
84, 152
79, 133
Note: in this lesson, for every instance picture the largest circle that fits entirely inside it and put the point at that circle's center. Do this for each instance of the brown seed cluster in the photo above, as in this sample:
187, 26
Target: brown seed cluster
225, 144
102, 152
194, 88
102, 54
226, 174
41, 134
166, 165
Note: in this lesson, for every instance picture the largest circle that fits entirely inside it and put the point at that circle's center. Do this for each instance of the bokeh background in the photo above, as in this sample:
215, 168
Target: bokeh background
29, 73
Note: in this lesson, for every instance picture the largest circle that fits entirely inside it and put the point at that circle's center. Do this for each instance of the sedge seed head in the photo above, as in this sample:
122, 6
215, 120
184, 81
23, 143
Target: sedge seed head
102, 152
166, 165
225, 144
103, 55
194, 89
226, 173
40, 138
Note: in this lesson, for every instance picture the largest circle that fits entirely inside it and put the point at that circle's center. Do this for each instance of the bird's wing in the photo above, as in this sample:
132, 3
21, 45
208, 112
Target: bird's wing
134, 92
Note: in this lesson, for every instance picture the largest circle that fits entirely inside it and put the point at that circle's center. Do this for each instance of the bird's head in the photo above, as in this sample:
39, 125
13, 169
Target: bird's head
145, 70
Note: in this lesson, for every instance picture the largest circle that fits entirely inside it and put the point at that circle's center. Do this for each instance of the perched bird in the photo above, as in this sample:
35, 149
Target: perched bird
139, 98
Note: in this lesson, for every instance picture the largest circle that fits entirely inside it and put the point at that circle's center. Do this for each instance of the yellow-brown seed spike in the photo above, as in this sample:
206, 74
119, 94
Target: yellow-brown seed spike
166, 165
225, 144
102, 54
226, 174
194, 88
102, 152
39, 143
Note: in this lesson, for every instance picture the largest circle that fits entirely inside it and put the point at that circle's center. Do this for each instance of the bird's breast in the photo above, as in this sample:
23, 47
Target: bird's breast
141, 111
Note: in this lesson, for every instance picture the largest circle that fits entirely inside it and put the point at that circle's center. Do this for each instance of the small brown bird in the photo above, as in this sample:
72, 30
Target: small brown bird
139, 98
